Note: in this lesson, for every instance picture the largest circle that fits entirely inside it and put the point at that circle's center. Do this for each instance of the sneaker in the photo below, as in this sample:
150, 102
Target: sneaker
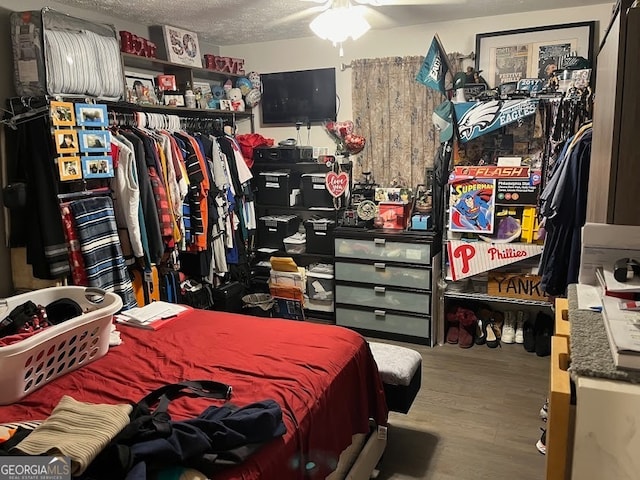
509, 328
541, 444
544, 411
521, 317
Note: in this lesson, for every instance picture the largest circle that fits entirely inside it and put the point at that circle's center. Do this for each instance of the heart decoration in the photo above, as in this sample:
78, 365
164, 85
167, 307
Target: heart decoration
337, 183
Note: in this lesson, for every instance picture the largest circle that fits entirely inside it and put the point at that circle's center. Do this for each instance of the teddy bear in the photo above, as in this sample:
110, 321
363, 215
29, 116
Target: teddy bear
237, 103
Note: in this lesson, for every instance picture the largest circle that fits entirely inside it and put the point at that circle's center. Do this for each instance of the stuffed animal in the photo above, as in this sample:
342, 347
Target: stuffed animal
237, 103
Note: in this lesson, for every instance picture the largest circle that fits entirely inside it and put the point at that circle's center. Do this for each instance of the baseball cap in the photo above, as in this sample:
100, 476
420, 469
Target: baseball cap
443, 120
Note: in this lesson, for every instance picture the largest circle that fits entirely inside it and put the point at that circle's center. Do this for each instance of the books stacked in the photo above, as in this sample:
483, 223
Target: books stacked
151, 317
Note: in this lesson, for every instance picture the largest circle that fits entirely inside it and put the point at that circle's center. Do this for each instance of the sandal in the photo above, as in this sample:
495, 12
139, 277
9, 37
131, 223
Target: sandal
493, 340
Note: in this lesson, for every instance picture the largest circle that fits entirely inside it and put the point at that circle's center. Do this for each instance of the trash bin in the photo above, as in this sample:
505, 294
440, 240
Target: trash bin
258, 304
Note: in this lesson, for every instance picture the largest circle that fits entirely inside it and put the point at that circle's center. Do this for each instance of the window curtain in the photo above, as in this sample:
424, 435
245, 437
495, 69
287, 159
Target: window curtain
393, 112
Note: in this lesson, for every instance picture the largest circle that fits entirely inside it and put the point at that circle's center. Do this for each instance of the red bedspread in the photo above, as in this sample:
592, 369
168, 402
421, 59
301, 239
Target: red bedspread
323, 376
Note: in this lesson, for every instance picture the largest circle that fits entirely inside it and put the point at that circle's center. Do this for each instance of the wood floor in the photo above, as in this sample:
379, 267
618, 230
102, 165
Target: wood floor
475, 418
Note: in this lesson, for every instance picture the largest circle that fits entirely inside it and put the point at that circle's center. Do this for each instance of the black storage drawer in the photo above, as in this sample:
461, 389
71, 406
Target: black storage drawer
273, 229
314, 191
274, 188
320, 235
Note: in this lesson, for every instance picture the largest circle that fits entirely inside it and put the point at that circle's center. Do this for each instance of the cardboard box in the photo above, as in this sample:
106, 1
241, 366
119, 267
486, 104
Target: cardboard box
515, 285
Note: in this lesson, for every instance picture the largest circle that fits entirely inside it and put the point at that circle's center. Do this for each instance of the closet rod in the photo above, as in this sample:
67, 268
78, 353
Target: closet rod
96, 192
470, 56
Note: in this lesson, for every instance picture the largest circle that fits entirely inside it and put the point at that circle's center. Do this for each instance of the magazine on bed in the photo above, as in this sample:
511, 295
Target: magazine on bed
151, 317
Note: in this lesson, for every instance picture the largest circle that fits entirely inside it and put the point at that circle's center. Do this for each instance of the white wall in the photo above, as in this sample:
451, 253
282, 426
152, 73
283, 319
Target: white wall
311, 52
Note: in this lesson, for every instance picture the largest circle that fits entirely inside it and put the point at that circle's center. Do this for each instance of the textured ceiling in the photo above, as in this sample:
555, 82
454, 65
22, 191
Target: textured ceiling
232, 22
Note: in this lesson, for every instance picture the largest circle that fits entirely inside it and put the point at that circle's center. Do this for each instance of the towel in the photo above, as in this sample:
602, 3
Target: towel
77, 430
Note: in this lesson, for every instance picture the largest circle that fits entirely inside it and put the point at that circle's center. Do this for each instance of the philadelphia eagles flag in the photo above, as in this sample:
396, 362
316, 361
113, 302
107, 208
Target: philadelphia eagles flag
435, 67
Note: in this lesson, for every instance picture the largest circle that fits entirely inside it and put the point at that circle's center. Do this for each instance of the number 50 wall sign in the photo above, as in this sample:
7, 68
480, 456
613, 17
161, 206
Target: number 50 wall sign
182, 46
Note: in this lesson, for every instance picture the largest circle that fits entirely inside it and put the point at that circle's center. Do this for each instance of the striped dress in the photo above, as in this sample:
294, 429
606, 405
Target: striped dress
100, 247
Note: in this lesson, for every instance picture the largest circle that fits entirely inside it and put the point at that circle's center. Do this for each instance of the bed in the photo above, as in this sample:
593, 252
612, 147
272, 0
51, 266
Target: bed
323, 377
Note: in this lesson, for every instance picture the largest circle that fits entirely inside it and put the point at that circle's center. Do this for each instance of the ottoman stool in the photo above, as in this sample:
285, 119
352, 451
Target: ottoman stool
401, 372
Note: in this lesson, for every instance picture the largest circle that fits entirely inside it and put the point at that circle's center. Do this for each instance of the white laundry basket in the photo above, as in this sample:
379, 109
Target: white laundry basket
33, 362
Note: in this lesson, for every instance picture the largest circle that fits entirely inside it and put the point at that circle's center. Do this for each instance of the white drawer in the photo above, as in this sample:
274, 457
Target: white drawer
384, 298
381, 273
381, 321
381, 249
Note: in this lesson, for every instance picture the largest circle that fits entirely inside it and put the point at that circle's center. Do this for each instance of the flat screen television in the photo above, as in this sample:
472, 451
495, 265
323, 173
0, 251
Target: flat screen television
306, 96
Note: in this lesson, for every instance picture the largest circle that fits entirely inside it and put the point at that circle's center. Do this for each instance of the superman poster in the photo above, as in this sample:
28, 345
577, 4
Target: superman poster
472, 205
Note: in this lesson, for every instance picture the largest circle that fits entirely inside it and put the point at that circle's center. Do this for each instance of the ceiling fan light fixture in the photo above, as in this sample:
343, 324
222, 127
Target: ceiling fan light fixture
338, 24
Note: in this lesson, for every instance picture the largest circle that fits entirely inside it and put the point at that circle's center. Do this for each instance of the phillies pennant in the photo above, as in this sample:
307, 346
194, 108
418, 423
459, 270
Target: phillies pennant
471, 258
435, 67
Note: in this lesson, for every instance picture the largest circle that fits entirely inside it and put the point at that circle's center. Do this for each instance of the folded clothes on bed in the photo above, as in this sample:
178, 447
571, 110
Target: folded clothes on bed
77, 430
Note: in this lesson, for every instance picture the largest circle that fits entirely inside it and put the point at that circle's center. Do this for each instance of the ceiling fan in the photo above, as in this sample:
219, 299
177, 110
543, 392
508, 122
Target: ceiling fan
338, 20
372, 10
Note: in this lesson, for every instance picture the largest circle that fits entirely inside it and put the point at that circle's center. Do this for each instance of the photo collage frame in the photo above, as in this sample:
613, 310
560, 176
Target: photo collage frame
81, 140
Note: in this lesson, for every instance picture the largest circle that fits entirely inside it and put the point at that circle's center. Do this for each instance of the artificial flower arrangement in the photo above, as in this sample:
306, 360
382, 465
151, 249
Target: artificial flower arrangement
347, 143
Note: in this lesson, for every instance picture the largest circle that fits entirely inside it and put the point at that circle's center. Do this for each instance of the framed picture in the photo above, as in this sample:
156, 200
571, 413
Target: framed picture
226, 105
182, 46
94, 141
62, 114
510, 55
472, 205
66, 141
97, 167
173, 99
91, 115
141, 88
69, 168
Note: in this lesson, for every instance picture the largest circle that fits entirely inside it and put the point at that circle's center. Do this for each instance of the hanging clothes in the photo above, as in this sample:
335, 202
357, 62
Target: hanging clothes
45, 241
100, 247
563, 208
147, 200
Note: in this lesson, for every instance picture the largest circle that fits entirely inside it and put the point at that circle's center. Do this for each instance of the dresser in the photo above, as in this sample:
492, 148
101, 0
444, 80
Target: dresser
593, 419
385, 282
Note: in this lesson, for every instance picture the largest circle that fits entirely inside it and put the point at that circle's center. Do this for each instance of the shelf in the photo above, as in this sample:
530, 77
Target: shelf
490, 298
297, 208
156, 64
281, 253
180, 111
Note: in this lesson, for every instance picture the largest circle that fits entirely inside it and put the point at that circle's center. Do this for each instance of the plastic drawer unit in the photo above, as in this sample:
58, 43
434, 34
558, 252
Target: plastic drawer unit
384, 283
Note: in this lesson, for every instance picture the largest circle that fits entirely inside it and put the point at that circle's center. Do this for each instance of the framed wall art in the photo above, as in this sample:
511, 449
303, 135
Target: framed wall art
173, 99
69, 168
91, 115
62, 114
94, 141
182, 46
66, 141
97, 167
510, 55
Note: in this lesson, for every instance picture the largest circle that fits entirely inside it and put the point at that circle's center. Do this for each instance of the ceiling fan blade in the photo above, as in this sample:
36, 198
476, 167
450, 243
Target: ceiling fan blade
300, 15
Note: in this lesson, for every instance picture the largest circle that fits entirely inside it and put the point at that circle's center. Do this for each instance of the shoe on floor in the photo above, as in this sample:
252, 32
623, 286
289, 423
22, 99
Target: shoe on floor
541, 444
509, 328
467, 327
493, 340
453, 330
521, 317
544, 411
497, 319
544, 331
529, 336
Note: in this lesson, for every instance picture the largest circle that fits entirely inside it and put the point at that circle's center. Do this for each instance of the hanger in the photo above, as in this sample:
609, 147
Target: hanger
96, 192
